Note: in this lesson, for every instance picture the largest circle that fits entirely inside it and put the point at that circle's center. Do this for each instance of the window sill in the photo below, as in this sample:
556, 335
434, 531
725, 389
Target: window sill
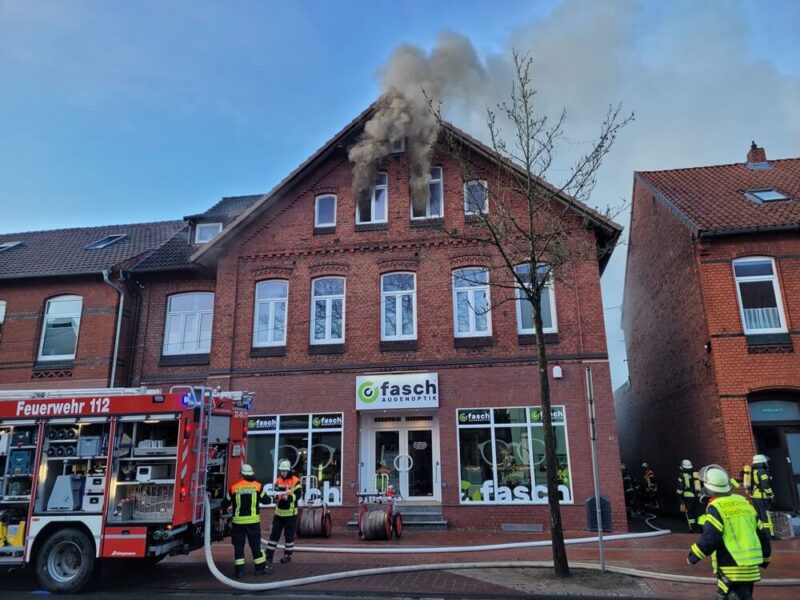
473, 219
398, 346
483, 341
530, 339
53, 365
184, 360
432, 223
267, 351
325, 230
371, 227
319, 349
769, 343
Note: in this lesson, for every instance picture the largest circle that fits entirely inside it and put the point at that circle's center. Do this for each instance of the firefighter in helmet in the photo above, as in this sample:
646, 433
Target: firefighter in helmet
629, 486
761, 490
649, 488
733, 536
245, 496
688, 493
286, 491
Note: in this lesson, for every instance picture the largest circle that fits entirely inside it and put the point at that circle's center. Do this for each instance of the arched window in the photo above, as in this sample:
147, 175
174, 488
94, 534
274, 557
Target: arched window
327, 310
189, 320
759, 295
269, 323
399, 306
62, 321
471, 302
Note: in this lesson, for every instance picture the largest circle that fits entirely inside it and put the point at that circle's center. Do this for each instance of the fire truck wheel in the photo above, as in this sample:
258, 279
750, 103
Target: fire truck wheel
65, 561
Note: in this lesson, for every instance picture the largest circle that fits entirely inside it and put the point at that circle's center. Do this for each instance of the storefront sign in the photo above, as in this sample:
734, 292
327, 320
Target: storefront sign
331, 421
556, 415
478, 416
409, 390
262, 423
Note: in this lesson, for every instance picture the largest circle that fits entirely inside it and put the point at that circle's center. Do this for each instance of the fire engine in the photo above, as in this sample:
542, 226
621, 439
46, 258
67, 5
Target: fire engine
91, 475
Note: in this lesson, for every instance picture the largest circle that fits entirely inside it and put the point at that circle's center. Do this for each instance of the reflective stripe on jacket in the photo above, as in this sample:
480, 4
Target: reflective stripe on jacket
761, 486
286, 506
245, 497
685, 487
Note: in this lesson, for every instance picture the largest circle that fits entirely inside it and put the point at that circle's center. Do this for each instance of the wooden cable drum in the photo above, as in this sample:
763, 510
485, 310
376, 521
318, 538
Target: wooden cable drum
377, 525
315, 522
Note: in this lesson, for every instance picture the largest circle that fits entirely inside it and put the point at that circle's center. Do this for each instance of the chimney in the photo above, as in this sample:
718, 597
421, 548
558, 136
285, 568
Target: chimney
756, 155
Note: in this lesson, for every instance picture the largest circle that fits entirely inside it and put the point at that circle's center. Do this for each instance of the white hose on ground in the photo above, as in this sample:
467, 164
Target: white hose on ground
286, 583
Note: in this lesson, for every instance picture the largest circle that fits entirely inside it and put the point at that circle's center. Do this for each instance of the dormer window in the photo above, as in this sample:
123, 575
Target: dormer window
765, 195
106, 241
8, 245
205, 232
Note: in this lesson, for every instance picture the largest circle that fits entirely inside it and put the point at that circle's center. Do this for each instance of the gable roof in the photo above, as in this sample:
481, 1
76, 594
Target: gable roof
610, 230
60, 252
174, 253
711, 201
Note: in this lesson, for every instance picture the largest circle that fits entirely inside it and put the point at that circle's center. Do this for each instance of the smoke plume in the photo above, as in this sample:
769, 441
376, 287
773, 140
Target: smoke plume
410, 79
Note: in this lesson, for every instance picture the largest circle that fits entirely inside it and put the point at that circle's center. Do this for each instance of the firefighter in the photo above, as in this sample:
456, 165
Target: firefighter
688, 493
733, 535
246, 496
761, 490
649, 488
629, 486
286, 492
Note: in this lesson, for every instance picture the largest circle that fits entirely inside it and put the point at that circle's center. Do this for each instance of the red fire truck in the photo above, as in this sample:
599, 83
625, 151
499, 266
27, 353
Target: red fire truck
90, 475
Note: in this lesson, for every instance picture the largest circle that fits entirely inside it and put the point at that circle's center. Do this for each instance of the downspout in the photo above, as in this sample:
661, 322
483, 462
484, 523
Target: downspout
121, 293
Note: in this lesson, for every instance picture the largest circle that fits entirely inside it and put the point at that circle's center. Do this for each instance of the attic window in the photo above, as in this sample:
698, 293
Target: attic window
766, 195
205, 232
398, 146
106, 241
8, 245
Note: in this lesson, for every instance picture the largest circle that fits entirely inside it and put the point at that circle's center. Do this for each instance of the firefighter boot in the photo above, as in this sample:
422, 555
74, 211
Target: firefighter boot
237, 571
264, 569
286, 559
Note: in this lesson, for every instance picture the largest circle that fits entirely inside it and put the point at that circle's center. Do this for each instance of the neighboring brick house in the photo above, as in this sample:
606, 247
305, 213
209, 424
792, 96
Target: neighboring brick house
711, 316
58, 316
321, 306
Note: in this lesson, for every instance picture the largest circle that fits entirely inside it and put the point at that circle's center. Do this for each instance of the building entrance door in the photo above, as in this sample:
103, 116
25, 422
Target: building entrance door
404, 452
793, 450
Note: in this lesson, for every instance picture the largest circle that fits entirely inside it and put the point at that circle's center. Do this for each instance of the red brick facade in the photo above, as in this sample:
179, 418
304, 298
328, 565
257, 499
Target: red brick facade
692, 369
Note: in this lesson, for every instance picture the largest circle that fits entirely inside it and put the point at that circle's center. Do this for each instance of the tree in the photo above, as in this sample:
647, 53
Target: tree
537, 229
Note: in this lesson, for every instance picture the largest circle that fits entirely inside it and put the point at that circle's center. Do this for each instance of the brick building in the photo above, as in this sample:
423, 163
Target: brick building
355, 325
65, 310
710, 314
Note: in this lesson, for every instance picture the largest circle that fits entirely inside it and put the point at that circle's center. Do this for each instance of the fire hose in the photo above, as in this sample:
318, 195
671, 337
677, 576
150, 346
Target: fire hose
286, 583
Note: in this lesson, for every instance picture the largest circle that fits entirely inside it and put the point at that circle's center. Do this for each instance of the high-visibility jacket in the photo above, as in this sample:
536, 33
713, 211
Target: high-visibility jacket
734, 537
761, 483
685, 487
245, 497
287, 492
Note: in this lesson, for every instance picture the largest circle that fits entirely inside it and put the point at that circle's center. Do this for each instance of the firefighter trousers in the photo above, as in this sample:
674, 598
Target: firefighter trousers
285, 525
763, 506
693, 511
250, 533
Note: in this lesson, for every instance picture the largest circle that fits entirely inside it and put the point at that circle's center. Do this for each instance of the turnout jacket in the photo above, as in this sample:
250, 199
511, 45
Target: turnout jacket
734, 537
685, 487
245, 497
761, 483
287, 493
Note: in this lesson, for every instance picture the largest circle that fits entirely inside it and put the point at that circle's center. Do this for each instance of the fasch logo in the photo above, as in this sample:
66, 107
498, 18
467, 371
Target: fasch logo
251, 424
368, 392
462, 417
315, 421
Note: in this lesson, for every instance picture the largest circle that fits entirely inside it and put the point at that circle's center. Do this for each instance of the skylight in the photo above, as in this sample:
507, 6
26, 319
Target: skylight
766, 195
8, 245
106, 241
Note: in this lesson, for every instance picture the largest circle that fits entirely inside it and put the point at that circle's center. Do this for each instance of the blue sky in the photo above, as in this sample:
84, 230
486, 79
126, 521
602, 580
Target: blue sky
114, 112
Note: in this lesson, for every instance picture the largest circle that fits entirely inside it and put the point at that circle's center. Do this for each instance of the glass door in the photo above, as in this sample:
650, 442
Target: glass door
420, 476
793, 450
387, 449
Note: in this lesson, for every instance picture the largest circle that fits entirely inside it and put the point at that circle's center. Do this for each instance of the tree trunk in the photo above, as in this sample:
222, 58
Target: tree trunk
556, 530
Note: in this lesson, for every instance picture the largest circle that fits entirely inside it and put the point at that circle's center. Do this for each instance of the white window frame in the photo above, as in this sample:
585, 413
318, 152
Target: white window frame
398, 304
317, 222
328, 313
54, 357
548, 289
775, 287
8, 245
182, 314
2, 316
199, 226
270, 306
485, 185
471, 301
375, 188
428, 214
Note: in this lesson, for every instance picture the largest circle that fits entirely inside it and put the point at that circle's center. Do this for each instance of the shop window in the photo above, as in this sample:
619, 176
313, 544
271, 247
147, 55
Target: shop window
62, 321
759, 295
501, 454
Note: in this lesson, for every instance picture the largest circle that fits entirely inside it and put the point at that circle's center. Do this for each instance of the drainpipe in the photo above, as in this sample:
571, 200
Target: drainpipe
121, 293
